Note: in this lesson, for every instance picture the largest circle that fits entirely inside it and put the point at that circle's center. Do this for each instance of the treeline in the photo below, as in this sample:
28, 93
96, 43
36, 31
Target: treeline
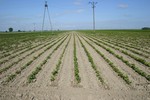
146, 28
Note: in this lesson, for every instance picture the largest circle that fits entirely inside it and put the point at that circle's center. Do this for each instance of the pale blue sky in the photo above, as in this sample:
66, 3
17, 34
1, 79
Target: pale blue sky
74, 14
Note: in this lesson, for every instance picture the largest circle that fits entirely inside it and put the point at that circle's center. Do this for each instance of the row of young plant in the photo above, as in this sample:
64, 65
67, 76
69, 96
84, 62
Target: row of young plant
8, 53
16, 55
141, 47
135, 40
97, 72
76, 67
115, 68
12, 76
32, 76
128, 45
10, 47
127, 48
11, 42
56, 70
22, 45
28, 49
141, 60
131, 65
20, 59
28, 44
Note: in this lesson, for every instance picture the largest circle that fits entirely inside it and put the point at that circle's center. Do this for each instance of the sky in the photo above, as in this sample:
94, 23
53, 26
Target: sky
74, 14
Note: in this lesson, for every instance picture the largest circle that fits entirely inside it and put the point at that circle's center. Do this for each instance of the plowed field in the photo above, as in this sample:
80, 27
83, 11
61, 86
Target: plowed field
75, 66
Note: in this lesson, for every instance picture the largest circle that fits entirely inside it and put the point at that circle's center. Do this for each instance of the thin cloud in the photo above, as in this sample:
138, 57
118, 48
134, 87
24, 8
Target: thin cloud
78, 2
124, 6
79, 10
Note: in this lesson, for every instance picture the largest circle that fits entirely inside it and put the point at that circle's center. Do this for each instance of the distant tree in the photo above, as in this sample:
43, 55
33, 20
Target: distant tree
10, 29
6, 31
146, 28
19, 30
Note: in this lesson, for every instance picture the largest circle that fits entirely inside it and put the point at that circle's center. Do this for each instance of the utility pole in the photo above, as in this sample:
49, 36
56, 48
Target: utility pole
46, 9
93, 6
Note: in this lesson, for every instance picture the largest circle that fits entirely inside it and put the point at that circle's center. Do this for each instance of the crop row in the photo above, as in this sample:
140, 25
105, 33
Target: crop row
11, 57
128, 45
25, 43
8, 53
7, 48
22, 45
9, 42
138, 40
127, 48
32, 76
141, 60
76, 67
56, 70
30, 48
97, 72
135, 68
115, 68
20, 59
12, 76
126, 39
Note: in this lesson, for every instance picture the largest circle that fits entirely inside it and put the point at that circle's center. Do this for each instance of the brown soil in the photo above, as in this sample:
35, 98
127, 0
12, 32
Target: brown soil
65, 87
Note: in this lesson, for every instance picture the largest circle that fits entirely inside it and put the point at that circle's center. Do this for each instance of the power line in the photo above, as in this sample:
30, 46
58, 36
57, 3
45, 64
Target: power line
93, 6
46, 9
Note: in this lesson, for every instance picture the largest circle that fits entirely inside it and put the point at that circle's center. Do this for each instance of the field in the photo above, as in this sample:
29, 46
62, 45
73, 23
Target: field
75, 65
